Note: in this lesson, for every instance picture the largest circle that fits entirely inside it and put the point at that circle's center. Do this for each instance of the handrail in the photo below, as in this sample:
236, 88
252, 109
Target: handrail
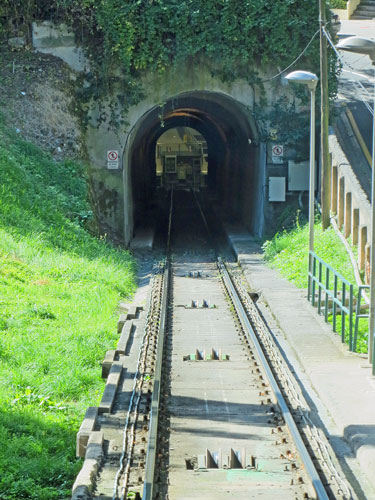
336, 291
338, 296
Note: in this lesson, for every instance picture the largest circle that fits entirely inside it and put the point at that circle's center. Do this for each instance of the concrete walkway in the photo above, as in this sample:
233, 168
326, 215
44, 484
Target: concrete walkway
338, 384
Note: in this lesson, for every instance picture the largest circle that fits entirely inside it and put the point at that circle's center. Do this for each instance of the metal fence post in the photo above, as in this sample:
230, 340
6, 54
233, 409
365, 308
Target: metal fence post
343, 315
334, 303
309, 278
327, 296
357, 313
351, 317
320, 288
313, 279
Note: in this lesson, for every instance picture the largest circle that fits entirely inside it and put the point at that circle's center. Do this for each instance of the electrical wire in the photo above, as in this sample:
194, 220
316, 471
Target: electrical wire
344, 63
355, 83
295, 60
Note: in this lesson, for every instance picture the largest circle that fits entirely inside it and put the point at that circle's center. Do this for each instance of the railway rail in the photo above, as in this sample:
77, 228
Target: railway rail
213, 411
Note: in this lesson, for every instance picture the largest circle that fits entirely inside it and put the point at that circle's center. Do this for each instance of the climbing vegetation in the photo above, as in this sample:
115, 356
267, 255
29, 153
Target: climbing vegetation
126, 38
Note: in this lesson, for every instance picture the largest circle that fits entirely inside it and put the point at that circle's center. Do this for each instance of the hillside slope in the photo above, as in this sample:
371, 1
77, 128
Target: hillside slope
59, 288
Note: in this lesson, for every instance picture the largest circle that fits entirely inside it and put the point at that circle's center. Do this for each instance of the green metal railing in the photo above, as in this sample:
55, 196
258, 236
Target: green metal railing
358, 314
328, 289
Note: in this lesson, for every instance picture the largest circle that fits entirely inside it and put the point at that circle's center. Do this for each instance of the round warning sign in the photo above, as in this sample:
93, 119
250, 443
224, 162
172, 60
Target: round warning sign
277, 150
112, 155
112, 160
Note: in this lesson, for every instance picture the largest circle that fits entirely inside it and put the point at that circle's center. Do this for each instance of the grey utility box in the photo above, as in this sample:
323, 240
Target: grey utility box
276, 189
299, 175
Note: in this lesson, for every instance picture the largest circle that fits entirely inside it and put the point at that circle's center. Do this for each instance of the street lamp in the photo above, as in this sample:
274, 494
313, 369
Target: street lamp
311, 80
360, 45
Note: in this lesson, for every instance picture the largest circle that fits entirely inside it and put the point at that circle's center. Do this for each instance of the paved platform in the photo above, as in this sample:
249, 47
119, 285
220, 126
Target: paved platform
337, 384
143, 241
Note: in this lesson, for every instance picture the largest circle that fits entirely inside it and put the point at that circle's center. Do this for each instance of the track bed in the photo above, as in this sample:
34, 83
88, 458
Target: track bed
196, 410
220, 405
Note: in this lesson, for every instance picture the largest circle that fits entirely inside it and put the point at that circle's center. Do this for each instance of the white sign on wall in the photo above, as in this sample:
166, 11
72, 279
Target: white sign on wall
277, 153
112, 160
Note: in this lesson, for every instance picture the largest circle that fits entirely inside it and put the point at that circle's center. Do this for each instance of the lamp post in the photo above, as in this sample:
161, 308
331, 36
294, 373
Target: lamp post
360, 45
311, 80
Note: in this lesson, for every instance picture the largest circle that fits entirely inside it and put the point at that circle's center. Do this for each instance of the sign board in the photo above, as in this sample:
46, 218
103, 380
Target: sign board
277, 159
112, 160
277, 153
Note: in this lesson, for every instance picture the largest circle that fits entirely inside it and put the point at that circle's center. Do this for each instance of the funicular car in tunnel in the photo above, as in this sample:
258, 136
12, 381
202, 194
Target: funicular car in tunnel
181, 159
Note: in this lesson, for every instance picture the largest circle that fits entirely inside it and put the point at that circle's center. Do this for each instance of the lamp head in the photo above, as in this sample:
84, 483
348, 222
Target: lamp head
358, 45
304, 77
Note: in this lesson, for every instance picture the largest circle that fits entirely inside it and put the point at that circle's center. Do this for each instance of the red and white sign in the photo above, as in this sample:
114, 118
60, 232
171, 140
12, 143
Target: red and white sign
277, 153
277, 150
112, 160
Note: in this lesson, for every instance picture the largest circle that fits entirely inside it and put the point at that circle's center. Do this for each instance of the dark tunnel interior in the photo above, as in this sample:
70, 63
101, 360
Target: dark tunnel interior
233, 180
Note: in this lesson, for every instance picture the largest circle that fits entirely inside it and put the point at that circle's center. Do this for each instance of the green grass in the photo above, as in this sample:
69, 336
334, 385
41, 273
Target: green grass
338, 4
287, 251
59, 288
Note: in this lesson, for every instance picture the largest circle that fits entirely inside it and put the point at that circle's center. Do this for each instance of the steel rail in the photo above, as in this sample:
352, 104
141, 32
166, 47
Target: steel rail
128, 442
148, 485
274, 353
305, 457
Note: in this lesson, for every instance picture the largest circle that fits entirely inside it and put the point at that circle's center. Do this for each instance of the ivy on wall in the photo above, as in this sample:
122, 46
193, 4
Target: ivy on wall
124, 39
236, 34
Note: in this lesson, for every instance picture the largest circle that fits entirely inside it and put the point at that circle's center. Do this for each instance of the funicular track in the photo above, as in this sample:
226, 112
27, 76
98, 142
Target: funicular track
206, 416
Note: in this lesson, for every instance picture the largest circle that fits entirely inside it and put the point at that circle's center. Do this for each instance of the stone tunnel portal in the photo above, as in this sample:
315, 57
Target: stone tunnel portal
236, 165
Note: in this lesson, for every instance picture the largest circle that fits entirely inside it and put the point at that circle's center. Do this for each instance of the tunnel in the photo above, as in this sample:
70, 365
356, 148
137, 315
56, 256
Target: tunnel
236, 163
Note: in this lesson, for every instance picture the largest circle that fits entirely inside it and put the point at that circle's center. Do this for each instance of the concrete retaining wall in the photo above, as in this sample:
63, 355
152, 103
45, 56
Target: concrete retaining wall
350, 204
58, 40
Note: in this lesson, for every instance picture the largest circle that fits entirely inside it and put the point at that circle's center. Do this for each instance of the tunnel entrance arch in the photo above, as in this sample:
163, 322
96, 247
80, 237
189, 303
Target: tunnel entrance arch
236, 164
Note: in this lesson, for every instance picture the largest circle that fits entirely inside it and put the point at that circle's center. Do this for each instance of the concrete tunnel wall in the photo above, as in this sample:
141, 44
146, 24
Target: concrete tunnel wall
236, 170
221, 111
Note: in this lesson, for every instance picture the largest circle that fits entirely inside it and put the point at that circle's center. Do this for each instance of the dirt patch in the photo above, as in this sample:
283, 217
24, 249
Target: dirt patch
36, 100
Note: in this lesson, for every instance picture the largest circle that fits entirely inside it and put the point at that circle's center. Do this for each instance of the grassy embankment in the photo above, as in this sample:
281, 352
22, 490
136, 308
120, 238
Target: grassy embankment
59, 288
287, 251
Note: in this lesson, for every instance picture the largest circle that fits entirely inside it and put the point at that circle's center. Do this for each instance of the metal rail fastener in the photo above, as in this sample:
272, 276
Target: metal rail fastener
305, 457
148, 485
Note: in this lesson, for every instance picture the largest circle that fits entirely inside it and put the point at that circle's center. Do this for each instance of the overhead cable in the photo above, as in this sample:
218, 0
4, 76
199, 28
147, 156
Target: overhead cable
343, 62
295, 60
356, 83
